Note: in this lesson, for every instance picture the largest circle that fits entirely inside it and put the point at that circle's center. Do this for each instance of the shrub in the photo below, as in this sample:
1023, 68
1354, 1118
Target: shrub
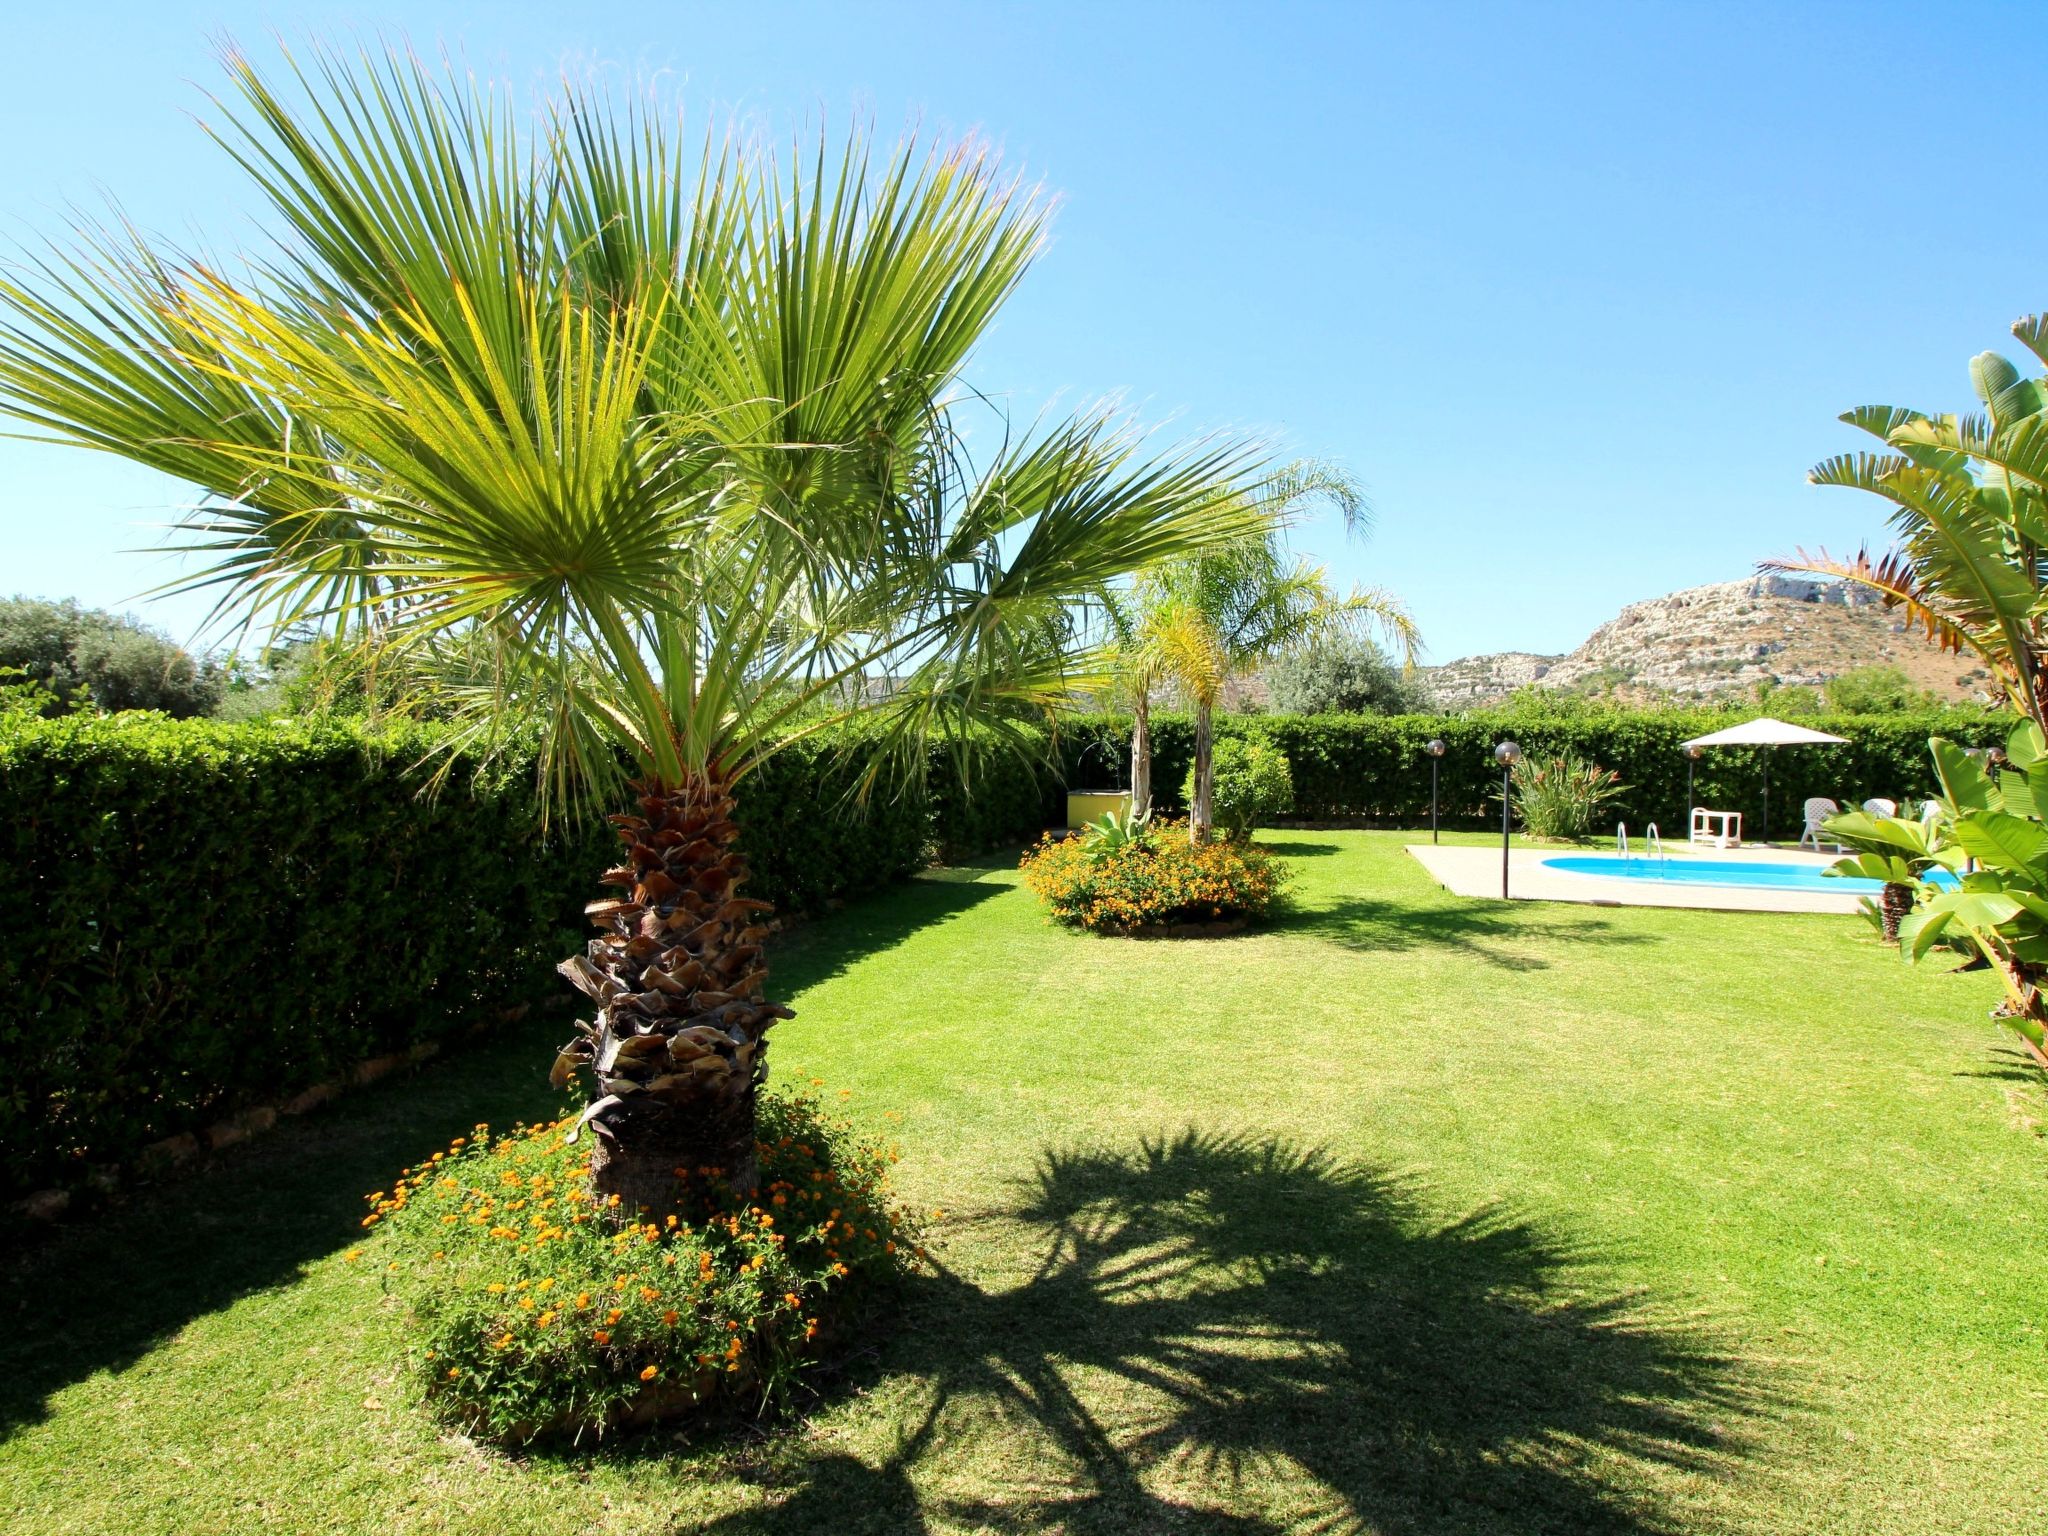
1874, 691
1254, 784
1156, 881
1344, 675
1562, 796
90, 659
531, 1310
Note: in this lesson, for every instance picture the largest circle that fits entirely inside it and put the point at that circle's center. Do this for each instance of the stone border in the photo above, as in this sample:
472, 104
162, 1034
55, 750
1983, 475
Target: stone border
160, 1157
1215, 930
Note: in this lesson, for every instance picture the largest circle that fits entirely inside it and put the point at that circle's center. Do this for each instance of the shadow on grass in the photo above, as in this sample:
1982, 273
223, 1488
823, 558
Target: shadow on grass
811, 953
1296, 850
1481, 931
122, 1280
1232, 1335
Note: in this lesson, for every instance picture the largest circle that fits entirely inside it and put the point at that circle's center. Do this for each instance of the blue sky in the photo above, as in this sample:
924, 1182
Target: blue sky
1576, 290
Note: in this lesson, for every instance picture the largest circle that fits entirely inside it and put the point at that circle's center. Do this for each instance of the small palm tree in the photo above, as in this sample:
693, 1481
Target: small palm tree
1214, 615
668, 458
1161, 633
1970, 507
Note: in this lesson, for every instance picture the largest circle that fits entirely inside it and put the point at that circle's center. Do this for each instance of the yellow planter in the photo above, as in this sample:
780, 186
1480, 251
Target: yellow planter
1086, 805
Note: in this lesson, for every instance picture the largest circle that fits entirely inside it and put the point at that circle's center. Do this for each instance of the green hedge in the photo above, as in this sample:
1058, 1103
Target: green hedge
201, 916
1372, 768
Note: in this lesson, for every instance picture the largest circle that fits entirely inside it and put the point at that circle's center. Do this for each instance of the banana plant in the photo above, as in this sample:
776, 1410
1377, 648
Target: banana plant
1899, 853
1997, 905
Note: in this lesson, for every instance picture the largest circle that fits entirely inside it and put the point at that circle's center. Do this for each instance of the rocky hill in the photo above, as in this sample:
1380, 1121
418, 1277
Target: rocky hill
1722, 639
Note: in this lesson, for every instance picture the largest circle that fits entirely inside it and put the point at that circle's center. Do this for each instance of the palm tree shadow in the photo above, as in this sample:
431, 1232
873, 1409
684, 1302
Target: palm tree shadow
1490, 933
813, 952
1215, 1317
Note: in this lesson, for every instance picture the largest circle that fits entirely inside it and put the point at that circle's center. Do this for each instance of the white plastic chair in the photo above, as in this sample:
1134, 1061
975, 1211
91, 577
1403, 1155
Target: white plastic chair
1818, 810
1880, 807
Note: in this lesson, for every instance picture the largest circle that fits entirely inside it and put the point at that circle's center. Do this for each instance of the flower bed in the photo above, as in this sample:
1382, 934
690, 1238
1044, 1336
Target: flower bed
531, 1310
1155, 884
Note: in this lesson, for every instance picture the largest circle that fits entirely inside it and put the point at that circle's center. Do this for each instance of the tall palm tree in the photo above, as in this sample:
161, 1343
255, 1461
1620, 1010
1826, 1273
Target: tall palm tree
669, 440
1200, 621
1970, 508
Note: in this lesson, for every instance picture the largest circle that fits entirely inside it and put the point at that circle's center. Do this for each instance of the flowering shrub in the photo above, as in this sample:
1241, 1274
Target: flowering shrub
1156, 881
532, 1310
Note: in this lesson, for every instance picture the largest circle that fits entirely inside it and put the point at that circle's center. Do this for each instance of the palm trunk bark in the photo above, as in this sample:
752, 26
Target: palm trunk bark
678, 1048
1893, 903
1141, 757
1202, 814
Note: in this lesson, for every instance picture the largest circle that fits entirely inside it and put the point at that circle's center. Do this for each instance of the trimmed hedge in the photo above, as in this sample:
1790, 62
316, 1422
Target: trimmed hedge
201, 917
1372, 769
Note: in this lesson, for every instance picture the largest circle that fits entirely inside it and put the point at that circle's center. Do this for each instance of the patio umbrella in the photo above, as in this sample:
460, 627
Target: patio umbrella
1764, 732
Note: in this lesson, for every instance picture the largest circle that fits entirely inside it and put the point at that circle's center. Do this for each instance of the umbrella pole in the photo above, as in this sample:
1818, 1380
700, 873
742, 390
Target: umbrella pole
1769, 753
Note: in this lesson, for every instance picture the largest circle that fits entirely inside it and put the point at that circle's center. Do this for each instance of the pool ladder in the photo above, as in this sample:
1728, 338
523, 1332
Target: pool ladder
1653, 842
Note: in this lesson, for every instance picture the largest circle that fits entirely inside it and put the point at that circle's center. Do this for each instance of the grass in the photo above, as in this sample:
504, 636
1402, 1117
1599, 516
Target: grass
1411, 1214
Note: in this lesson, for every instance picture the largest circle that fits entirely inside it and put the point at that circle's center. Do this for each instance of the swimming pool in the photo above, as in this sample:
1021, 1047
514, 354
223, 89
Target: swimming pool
1747, 874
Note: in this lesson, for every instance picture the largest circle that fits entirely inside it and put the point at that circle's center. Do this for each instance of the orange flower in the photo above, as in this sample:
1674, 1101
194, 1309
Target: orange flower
649, 1373
603, 1336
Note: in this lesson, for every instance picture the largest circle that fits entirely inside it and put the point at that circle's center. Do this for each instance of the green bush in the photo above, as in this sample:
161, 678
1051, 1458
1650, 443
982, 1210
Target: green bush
1562, 796
90, 659
1253, 785
204, 916
1346, 675
531, 1309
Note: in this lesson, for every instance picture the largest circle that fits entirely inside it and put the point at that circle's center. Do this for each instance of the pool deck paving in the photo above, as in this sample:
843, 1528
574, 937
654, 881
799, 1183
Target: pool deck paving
1475, 871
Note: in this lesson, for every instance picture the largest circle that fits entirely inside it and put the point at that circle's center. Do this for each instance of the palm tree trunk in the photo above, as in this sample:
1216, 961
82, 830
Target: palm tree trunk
1893, 903
1202, 814
1141, 756
678, 1047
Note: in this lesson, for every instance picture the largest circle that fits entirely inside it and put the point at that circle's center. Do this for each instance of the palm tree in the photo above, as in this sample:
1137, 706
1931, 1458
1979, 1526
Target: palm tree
1150, 651
1213, 615
1970, 507
670, 442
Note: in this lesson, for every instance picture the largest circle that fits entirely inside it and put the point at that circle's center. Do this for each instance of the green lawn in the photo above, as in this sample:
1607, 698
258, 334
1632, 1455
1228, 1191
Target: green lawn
1412, 1214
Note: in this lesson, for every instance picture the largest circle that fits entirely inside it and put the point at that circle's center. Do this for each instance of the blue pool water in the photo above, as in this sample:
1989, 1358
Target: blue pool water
1750, 873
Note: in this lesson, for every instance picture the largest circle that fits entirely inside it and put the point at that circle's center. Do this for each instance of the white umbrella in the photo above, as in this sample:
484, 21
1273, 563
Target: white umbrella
1765, 732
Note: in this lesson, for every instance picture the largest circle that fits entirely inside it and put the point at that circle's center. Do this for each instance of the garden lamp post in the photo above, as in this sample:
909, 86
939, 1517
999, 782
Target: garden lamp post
1692, 761
1507, 754
1435, 749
